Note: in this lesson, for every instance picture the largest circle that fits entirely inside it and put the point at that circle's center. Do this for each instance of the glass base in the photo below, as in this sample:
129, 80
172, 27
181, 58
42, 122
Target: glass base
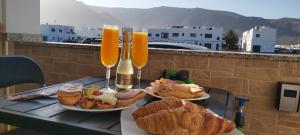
107, 89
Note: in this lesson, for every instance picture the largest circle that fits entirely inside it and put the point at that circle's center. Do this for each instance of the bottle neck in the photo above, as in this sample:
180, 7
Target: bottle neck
125, 54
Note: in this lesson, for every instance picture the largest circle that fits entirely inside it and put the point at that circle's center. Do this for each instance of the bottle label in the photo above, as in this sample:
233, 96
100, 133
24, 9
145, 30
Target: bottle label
124, 79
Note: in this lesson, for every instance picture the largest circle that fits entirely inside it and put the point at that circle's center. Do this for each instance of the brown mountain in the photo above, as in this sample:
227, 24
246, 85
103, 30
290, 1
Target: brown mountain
72, 12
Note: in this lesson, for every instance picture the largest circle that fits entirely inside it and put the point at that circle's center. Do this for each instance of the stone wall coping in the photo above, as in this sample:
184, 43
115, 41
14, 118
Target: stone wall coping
226, 54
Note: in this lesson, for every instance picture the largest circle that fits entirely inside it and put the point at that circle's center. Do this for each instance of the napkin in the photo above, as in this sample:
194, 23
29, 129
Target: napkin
33, 95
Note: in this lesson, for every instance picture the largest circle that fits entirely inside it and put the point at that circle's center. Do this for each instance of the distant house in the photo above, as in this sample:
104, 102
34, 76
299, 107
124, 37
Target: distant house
88, 32
58, 33
259, 39
210, 37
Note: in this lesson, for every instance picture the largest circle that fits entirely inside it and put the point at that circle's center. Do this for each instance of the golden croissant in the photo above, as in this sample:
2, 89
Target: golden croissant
165, 104
180, 120
169, 88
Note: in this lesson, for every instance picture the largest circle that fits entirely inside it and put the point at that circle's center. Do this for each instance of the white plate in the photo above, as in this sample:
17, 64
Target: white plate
129, 127
204, 96
77, 108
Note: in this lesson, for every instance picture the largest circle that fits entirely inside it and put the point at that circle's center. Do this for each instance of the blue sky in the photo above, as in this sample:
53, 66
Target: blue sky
271, 9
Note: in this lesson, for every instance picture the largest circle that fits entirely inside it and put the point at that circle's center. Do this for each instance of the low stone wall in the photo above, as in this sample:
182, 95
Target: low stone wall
251, 75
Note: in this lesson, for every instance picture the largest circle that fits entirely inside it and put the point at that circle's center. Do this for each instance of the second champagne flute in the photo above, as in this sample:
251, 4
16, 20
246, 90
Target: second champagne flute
139, 52
109, 49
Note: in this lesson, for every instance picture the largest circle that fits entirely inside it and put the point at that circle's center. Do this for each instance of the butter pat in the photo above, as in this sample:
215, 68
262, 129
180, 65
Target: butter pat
108, 97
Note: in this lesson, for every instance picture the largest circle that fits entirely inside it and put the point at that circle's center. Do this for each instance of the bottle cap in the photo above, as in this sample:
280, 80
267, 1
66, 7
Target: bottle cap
242, 100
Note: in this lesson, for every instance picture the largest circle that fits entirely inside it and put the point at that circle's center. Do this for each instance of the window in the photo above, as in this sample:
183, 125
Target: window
256, 48
182, 34
193, 35
45, 38
208, 45
218, 38
175, 34
53, 38
60, 30
201, 35
157, 35
52, 30
149, 34
208, 35
257, 35
164, 35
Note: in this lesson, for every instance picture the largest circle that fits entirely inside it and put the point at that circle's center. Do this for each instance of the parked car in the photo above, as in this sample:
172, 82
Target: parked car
91, 41
296, 51
70, 41
282, 50
176, 46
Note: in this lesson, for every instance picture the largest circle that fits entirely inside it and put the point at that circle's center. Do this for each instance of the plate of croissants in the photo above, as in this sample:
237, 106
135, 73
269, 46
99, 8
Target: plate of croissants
172, 116
75, 97
169, 88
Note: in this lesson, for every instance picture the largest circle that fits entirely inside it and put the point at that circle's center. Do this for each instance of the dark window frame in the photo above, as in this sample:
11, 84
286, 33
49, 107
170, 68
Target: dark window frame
175, 34
208, 35
193, 35
164, 35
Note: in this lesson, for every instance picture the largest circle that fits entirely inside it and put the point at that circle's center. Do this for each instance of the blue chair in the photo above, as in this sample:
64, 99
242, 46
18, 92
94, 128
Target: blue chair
18, 70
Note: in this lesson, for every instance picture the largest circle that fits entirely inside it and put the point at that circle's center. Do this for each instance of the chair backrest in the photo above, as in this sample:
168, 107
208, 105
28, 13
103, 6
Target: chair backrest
221, 99
19, 69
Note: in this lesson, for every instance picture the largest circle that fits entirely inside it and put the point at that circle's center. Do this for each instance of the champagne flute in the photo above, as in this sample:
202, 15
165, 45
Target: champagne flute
139, 52
109, 49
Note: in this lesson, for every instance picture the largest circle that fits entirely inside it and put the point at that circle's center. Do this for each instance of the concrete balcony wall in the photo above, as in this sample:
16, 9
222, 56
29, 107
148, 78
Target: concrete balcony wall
251, 75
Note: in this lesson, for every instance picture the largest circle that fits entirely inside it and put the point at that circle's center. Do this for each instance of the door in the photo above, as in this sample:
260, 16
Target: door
256, 48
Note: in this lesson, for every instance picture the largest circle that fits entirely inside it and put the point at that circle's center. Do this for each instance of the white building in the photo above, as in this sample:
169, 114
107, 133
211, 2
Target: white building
239, 44
210, 37
58, 33
259, 39
87, 32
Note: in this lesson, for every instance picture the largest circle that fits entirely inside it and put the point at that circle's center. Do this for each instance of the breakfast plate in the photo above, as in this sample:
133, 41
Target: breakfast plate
129, 126
77, 108
204, 96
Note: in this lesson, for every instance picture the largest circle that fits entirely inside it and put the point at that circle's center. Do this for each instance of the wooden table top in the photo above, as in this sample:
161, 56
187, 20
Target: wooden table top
46, 115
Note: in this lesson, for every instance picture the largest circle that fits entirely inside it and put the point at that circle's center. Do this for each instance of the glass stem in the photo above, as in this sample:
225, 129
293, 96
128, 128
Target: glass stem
107, 78
139, 75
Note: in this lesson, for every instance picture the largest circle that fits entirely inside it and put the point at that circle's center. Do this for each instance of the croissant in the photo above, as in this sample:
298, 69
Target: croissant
169, 88
165, 104
179, 118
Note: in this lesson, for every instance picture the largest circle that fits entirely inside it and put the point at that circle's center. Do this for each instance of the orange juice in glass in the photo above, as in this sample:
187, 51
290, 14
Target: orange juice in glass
139, 52
109, 49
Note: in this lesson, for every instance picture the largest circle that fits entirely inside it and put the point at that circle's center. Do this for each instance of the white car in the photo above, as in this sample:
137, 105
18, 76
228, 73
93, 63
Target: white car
169, 45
